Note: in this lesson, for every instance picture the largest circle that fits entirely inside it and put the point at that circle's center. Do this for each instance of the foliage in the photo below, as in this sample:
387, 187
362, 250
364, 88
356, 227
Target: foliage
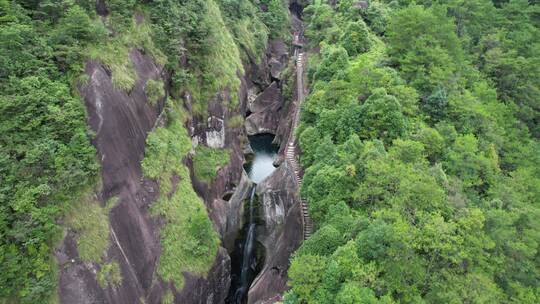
276, 17
91, 224
355, 38
188, 240
236, 121
198, 26
420, 169
247, 26
207, 161
334, 59
168, 298
47, 163
109, 275
432, 59
46, 160
115, 53
154, 91
382, 117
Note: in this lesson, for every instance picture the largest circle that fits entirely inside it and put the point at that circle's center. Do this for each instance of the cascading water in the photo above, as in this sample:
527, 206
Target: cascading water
245, 259
248, 257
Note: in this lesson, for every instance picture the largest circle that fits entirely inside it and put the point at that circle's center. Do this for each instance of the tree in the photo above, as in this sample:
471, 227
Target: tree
334, 61
434, 57
382, 117
355, 38
305, 274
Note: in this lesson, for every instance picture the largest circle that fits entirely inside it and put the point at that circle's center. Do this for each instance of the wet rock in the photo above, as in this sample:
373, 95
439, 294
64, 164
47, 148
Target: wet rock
280, 235
248, 151
214, 289
227, 215
262, 122
278, 160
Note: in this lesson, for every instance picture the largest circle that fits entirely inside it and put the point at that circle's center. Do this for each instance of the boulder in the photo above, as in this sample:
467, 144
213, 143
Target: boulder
281, 233
261, 122
269, 100
214, 289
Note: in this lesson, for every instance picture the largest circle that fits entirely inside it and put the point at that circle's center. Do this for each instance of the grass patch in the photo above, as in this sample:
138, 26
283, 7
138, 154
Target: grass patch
91, 223
188, 240
109, 275
207, 161
154, 90
249, 31
168, 298
115, 53
217, 68
236, 121
251, 34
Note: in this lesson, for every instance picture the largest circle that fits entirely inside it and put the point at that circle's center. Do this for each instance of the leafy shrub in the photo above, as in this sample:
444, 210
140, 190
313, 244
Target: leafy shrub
91, 224
109, 275
188, 240
236, 121
276, 17
154, 91
207, 161
355, 38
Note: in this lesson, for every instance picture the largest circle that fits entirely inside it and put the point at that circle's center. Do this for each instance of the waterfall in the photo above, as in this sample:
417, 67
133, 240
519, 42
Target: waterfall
248, 258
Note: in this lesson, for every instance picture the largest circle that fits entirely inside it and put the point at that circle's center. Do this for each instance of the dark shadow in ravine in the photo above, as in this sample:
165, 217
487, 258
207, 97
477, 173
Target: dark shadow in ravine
247, 258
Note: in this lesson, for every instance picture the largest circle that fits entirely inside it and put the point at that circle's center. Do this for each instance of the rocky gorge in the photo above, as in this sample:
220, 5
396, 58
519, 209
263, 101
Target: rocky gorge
121, 122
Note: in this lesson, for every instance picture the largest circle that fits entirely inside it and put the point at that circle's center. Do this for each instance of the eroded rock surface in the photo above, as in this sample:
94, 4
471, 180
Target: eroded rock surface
280, 235
208, 290
267, 107
121, 122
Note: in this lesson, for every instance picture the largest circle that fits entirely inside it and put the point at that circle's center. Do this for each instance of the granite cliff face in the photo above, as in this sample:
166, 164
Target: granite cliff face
280, 235
121, 122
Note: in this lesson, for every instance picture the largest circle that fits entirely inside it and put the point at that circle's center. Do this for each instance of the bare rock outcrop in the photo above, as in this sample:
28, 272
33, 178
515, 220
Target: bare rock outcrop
227, 214
266, 109
199, 290
280, 235
121, 122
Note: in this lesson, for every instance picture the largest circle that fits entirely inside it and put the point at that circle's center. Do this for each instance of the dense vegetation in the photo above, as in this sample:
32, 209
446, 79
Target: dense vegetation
47, 164
188, 240
45, 154
420, 141
207, 161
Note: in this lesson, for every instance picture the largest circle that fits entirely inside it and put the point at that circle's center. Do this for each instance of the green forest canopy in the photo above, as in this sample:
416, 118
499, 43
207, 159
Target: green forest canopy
420, 148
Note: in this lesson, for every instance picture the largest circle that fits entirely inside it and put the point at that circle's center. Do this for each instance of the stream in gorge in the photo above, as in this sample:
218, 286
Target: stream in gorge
246, 260
264, 152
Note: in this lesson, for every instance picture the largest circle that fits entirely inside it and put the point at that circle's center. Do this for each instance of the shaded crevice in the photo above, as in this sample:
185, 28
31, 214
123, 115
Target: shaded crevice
227, 196
296, 9
247, 258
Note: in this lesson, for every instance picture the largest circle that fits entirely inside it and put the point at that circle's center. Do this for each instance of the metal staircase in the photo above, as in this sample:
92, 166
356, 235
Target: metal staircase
290, 152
